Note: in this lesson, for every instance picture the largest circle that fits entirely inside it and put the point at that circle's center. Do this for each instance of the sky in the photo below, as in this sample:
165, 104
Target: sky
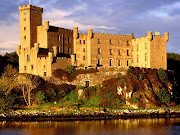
109, 16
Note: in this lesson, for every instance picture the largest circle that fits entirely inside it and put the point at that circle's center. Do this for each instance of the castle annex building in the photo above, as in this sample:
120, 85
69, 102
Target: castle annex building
45, 48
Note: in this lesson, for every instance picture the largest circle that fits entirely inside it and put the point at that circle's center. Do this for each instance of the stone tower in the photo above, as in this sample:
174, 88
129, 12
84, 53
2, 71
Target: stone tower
30, 18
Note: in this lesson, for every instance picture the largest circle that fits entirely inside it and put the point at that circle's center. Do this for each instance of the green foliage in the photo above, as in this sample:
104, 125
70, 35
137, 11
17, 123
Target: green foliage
164, 96
72, 97
140, 77
162, 75
133, 76
131, 68
134, 100
93, 101
70, 69
90, 92
110, 96
40, 97
53, 92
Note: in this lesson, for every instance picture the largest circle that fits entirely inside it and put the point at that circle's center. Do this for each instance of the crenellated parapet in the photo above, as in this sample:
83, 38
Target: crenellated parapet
166, 35
149, 35
31, 7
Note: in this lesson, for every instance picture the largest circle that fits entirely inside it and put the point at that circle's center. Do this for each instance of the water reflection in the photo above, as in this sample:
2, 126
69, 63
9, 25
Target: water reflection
130, 126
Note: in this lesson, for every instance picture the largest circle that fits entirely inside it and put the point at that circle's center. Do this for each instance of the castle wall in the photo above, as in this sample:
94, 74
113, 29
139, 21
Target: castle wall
42, 36
61, 63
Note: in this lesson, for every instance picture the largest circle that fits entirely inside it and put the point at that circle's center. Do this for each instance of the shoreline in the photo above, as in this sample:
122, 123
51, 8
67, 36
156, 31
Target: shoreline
76, 117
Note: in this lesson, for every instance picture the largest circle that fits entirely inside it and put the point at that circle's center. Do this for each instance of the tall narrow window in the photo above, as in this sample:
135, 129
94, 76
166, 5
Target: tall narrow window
110, 51
99, 51
24, 19
69, 50
127, 62
32, 67
110, 41
68, 40
58, 37
110, 62
84, 50
145, 56
128, 53
137, 59
24, 37
99, 62
28, 57
44, 73
128, 43
99, 41
84, 41
137, 47
119, 62
119, 52
84, 58
24, 28
24, 67
79, 41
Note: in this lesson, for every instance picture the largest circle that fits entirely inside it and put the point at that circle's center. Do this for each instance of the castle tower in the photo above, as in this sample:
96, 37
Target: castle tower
30, 18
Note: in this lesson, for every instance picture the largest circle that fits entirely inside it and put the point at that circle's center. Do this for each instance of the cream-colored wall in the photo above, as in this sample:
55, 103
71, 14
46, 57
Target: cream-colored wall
42, 36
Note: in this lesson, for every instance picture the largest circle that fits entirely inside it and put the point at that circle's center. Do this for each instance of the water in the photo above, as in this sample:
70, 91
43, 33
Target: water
103, 127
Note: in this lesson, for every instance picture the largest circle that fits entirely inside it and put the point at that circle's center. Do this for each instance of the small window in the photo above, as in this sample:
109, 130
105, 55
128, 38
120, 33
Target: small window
28, 57
119, 42
110, 51
32, 67
24, 19
127, 52
24, 28
110, 41
132, 60
137, 47
119, 62
84, 58
128, 43
137, 58
127, 62
58, 37
119, 52
87, 84
79, 41
44, 66
84, 50
24, 67
99, 62
69, 50
44, 73
68, 40
99, 41
99, 50
145, 56
24, 37
110, 62
84, 41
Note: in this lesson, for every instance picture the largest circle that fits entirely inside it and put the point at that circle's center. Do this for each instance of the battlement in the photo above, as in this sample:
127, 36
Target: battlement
31, 7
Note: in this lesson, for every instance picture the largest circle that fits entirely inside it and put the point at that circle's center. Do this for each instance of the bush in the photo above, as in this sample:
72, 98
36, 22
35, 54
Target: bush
131, 68
162, 75
93, 101
70, 69
72, 97
164, 96
40, 97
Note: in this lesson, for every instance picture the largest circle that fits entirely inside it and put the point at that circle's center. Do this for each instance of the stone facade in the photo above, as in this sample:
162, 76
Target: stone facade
45, 48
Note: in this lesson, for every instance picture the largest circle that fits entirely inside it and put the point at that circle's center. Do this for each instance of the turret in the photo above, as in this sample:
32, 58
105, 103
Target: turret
166, 36
133, 35
18, 47
46, 25
55, 50
90, 32
149, 35
75, 32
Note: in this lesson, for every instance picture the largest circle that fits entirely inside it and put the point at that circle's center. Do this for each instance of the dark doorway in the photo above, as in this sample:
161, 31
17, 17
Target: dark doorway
87, 84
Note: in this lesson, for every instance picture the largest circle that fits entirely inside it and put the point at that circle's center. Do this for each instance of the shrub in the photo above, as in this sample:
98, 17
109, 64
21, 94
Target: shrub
70, 69
131, 68
162, 75
134, 100
40, 97
53, 92
93, 101
72, 97
140, 77
164, 96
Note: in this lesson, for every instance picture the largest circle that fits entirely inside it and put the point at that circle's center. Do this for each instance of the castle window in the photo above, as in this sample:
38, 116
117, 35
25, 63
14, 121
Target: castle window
110, 41
24, 28
145, 56
24, 37
24, 19
58, 37
119, 62
110, 51
28, 57
127, 52
119, 42
127, 62
24, 13
145, 46
137, 58
84, 49
128, 43
137, 47
68, 40
132, 59
24, 67
69, 50
32, 67
119, 52
110, 62
44, 66
99, 41
99, 50
84, 41
44, 73
84, 58
79, 41
99, 62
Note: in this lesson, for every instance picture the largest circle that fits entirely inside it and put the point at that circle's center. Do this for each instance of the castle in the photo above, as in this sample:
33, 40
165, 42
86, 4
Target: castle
45, 48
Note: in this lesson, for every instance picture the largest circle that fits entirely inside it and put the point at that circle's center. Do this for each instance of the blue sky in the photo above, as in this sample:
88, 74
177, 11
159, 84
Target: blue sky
111, 16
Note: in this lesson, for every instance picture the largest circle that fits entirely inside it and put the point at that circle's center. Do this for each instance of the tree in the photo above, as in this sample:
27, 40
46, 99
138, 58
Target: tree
27, 83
